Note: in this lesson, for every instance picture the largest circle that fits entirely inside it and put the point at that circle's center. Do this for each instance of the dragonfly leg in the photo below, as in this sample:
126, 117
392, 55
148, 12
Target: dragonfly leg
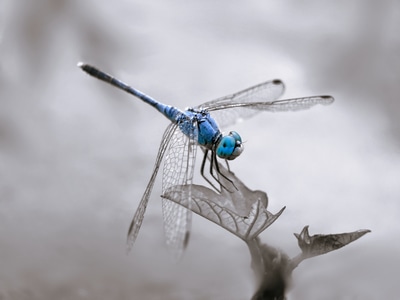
227, 165
214, 161
214, 165
203, 163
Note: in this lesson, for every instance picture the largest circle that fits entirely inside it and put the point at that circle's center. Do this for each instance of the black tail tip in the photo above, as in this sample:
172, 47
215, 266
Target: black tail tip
83, 66
87, 68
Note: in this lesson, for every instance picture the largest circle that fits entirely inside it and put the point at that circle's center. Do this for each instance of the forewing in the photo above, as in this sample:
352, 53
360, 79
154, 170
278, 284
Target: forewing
178, 170
139, 214
266, 91
283, 105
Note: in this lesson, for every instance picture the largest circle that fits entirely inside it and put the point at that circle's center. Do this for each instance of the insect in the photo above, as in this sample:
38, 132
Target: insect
197, 126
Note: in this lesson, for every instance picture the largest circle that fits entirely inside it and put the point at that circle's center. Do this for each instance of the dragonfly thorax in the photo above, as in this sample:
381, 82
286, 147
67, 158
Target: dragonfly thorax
208, 135
229, 146
198, 124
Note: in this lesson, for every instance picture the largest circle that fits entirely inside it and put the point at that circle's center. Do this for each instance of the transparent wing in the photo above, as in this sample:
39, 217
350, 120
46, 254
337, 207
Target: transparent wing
266, 91
284, 105
263, 97
178, 169
139, 214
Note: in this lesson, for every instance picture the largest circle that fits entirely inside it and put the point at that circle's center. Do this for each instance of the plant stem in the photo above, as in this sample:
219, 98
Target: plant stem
272, 269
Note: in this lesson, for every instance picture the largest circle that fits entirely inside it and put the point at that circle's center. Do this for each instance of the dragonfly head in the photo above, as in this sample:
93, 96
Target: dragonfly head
229, 146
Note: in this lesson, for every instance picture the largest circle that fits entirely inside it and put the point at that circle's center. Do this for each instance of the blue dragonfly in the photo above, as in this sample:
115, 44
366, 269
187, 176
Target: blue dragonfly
193, 127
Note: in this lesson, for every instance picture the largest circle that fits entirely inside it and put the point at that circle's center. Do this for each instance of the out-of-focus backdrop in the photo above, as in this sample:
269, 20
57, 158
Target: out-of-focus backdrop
76, 154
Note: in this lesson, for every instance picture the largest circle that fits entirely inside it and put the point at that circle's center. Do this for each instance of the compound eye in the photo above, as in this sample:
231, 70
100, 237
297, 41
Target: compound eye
230, 146
236, 136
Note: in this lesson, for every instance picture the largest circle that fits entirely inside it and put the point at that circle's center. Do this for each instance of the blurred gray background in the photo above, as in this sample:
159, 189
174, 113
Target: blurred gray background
76, 154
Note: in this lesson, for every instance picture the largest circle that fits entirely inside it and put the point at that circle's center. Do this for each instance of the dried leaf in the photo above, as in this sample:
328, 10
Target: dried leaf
320, 244
220, 209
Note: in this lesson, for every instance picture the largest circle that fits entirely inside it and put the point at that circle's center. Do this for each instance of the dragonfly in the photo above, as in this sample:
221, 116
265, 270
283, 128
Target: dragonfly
193, 127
